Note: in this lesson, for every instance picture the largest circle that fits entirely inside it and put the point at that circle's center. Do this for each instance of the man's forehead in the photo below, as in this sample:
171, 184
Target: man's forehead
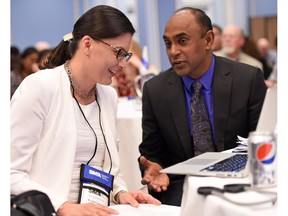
180, 20
182, 12
232, 30
180, 23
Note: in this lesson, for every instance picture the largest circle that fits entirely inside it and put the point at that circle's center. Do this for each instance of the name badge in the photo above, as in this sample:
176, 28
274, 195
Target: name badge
95, 185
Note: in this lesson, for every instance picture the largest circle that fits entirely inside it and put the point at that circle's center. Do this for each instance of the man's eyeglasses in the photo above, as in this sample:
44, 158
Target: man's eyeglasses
120, 52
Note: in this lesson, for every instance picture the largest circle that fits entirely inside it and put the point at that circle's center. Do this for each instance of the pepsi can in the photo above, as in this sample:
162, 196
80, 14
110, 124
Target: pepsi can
262, 159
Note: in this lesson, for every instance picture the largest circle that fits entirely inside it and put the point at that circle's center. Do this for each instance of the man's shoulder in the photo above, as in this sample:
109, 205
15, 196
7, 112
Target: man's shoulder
220, 53
233, 65
247, 59
165, 75
164, 79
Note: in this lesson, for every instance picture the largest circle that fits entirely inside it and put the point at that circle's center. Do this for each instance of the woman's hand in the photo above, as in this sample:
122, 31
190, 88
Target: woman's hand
86, 209
135, 197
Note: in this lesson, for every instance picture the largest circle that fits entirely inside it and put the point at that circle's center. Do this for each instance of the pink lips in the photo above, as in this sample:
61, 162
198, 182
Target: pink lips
112, 72
178, 63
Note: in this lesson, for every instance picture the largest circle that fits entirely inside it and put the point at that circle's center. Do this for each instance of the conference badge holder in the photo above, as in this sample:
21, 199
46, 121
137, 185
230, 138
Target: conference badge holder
95, 186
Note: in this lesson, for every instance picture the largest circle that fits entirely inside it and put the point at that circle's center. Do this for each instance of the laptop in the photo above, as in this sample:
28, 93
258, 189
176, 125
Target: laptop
233, 165
268, 116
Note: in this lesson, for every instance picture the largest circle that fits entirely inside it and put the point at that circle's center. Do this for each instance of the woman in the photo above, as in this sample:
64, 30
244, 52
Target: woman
29, 57
64, 118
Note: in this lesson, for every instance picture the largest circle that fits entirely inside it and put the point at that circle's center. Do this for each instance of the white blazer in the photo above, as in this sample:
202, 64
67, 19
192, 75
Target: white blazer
43, 135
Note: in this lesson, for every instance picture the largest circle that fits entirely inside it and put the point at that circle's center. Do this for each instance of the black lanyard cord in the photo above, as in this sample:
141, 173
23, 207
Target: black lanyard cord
96, 140
103, 133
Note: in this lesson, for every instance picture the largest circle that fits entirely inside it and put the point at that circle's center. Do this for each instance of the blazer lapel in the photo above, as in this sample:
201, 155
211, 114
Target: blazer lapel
175, 93
221, 96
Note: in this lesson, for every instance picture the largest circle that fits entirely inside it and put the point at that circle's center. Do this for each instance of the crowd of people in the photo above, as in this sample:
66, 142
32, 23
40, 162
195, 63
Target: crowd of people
232, 43
26, 62
71, 88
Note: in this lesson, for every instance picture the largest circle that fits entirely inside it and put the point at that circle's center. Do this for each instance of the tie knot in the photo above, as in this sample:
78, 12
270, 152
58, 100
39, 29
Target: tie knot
197, 87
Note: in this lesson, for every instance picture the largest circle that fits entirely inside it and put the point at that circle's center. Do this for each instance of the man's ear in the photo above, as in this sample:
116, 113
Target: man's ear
242, 41
209, 38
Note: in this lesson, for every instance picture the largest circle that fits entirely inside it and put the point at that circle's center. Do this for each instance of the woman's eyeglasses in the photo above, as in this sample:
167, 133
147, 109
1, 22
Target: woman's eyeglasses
120, 52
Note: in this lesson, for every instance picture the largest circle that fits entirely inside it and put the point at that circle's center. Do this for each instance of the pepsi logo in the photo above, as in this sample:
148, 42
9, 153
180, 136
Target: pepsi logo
265, 153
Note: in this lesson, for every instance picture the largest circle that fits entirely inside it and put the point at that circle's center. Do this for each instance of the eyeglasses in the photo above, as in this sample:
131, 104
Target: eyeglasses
120, 52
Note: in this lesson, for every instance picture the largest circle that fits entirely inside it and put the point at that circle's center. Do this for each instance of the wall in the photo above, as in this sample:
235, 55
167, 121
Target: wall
34, 20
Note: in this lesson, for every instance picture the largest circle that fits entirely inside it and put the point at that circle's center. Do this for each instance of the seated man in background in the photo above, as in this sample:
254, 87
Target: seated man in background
217, 43
250, 48
233, 40
233, 93
271, 81
270, 55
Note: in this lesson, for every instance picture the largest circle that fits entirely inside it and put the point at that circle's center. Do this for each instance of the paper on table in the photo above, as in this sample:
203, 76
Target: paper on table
242, 144
147, 210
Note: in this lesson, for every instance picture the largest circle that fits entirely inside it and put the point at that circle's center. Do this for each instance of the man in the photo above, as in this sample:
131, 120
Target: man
270, 55
267, 55
233, 40
217, 43
234, 94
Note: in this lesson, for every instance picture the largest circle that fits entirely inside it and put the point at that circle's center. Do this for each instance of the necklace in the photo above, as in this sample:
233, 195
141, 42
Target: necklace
76, 87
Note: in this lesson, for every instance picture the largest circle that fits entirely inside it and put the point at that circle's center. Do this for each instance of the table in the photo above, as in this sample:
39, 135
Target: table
212, 205
147, 210
129, 117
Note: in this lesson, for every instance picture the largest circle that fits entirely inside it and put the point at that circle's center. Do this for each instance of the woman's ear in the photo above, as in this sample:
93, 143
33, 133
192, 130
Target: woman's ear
86, 44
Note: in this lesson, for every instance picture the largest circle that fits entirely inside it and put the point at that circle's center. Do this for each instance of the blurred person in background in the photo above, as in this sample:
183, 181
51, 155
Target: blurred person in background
42, 45
124, 81
15, 58
268, 55
233, 39
15, 77
266, 52
271, 81
43, 56
29, 58
250, 48
217, 43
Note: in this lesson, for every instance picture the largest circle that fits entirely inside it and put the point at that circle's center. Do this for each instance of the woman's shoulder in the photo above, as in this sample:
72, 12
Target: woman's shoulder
48, 73
106, 90
45, 81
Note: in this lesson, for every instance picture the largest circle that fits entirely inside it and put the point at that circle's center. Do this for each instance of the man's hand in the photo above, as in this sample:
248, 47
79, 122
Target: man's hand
152, 177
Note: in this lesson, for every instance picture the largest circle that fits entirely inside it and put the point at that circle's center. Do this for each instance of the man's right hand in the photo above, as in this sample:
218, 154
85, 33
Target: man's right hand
152, 177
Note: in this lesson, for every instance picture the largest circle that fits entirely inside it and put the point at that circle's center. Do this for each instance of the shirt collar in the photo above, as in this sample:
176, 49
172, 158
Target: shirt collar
206, 79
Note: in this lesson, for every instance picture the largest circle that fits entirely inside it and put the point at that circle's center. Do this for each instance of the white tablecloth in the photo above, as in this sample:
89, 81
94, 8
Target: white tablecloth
147, 210
211, 205
130, 136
